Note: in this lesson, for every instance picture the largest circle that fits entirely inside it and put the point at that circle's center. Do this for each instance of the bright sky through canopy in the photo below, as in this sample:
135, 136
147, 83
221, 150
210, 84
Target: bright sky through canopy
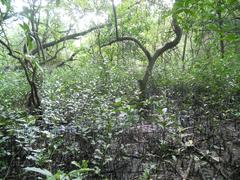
20, 3
89, 17
117, 2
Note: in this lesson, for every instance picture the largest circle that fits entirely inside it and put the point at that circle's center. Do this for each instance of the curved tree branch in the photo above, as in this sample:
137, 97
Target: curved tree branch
115, 19
71, 58
152, 58
169, 45
136, 41
68, 37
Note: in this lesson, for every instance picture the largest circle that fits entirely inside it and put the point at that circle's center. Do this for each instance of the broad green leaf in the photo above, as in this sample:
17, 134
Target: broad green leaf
39, 170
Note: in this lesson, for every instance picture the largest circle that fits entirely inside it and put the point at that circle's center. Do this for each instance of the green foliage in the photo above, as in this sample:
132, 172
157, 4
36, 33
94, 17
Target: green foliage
6, 3
13, 89
29, 38
75, 174
93, 123
40, 171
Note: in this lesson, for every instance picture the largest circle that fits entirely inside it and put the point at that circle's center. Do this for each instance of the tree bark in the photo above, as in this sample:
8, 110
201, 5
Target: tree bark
143, 83
220, 25
184, 52
34, 101
115, 19
67, 37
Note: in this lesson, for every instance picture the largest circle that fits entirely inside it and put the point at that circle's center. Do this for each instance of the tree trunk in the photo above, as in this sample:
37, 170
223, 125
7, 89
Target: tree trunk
152, 58
220, 24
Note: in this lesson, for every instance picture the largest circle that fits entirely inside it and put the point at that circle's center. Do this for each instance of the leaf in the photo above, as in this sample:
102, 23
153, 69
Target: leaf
164, 110
38, 66
57, 3
29, 42
44, 172
7, 3
189, 143
84, 164
174, 158
213, 27
76, 164
231, 37
217, 159
81, 171
59, 175
118, 102
25, 27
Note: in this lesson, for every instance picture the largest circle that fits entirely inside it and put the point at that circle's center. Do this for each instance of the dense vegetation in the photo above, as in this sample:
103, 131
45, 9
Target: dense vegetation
133, 89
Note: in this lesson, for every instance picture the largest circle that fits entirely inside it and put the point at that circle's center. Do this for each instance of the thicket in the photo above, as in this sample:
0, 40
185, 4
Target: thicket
70, 111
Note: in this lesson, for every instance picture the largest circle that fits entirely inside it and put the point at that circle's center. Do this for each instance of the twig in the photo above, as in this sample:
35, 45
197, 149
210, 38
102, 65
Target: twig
186, 174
